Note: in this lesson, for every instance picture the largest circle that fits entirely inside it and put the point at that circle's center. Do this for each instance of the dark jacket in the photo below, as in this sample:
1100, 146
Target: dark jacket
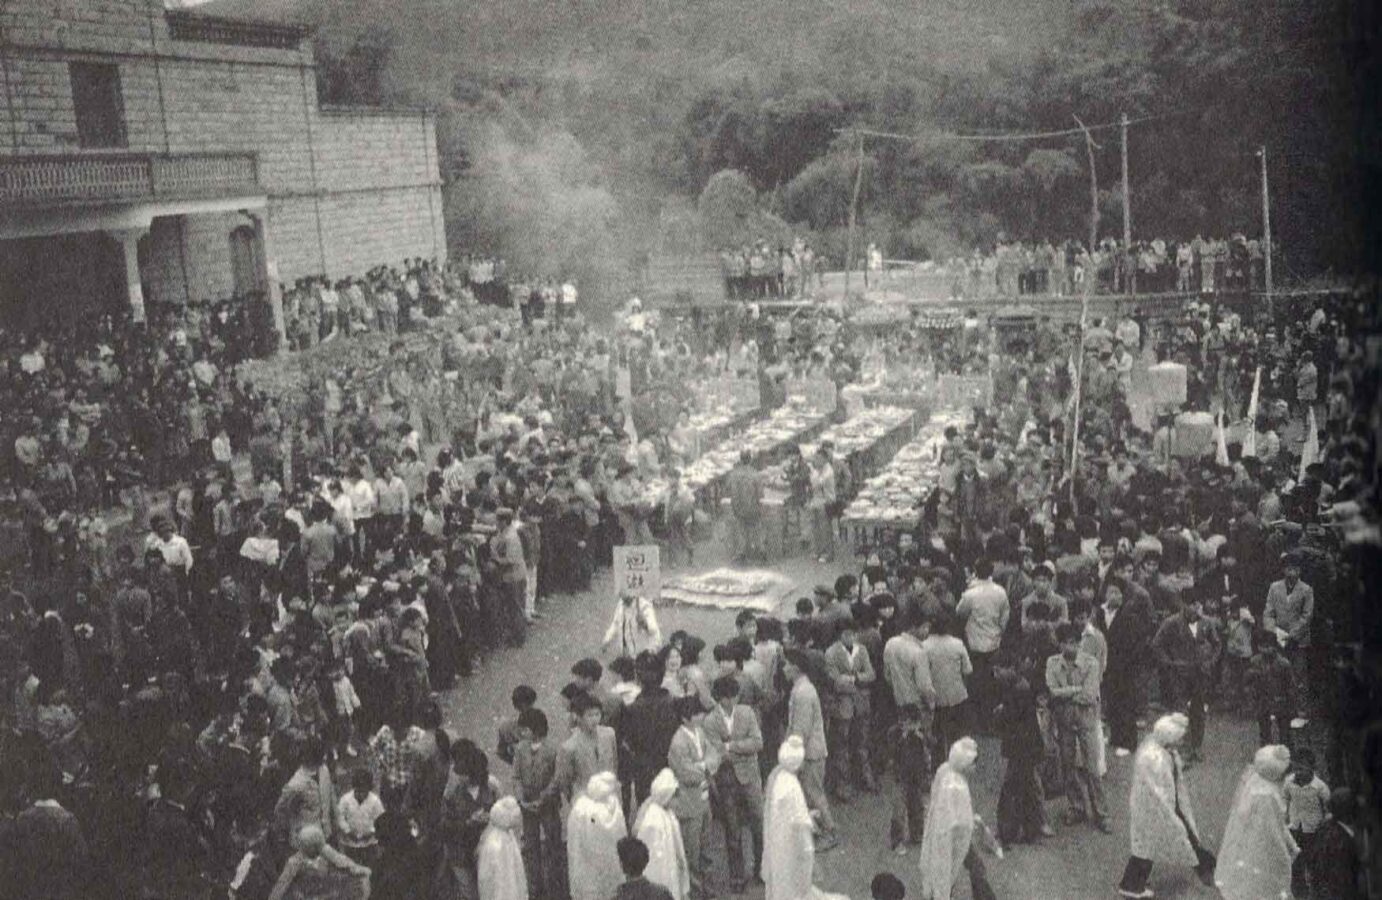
1334, 861
641, 888
1182, 652
646, 727
45, 855
1018, 727
1127, 641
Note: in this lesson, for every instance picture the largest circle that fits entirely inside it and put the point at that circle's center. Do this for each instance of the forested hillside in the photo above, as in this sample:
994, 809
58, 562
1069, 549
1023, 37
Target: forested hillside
580, 135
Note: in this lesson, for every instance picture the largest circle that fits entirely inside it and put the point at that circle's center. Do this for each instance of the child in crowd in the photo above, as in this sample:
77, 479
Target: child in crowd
1307, 807
356, 814
1269, 684
911, 738
1238, 655
523, 698
534, 773
345, 704
626, 686
1040, 638
1212, 615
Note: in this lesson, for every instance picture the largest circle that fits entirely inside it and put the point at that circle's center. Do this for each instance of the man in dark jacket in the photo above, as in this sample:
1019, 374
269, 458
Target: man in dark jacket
177, 851
1334, 859
746, 505
1021, 817
646, 727
1127, 626
633, 859
46, 854
1186, 648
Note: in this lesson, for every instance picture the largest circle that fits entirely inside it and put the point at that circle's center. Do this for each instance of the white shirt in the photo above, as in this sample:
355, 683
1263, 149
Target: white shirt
345, 513
984, 606
362, 499
176, 552
260, 549
392, 496
356, 819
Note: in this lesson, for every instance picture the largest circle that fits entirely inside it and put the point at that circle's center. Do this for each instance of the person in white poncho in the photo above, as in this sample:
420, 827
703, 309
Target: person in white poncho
500, 859
789, 850
633, 628
1161, 820
593, 829
1256, 855
659, 830
947, 844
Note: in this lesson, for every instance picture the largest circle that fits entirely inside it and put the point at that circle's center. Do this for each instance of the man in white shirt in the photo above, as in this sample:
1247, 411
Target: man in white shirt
364, 503
1129, 333
906, 669
392, 494
1288, 612
356, 814
950, 666
984, 609
343, 515
174, 547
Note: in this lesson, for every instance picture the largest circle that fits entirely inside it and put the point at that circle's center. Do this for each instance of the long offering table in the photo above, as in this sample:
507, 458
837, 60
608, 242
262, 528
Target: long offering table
767, 439
890, 499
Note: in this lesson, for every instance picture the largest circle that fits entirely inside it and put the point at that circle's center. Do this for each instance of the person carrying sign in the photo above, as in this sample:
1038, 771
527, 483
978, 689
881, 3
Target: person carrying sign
634, 627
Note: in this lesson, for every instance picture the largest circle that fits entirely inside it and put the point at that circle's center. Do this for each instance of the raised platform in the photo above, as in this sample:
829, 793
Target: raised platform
686, 280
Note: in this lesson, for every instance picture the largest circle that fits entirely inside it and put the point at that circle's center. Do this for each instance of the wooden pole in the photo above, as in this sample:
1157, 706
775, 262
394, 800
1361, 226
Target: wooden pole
1084, 305
1129, 283
1266, 231
853, 212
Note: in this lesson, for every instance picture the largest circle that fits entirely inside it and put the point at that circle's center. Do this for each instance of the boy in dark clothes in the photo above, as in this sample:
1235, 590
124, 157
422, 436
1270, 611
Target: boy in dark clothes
1021, 816
1269, 686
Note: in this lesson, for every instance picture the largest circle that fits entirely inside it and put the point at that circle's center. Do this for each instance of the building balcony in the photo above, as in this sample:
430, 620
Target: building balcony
85, 178
184, 25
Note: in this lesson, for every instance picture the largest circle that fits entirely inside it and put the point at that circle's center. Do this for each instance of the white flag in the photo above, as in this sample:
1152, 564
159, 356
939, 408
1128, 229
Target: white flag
1250, 438
1311, 451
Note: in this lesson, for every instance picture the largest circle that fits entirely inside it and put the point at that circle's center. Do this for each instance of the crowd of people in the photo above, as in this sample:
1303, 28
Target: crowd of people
760, 271
115, 410
214, 686
1199, 266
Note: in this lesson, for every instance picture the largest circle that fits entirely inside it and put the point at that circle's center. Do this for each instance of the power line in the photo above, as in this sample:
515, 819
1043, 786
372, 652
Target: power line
1036, 135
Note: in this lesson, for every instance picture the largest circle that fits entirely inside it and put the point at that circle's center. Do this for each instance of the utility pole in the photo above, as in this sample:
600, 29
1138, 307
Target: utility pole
853, 211
1130, 281
1090, 277
1266, 230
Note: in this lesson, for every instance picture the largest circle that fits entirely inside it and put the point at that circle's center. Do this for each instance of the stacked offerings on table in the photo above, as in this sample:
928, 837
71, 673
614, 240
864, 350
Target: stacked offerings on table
891, 499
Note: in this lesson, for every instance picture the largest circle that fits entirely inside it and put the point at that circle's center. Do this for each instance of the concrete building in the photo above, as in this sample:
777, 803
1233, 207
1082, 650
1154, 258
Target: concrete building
159, 156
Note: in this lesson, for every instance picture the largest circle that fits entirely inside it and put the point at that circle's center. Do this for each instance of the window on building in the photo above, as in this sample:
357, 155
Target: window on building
96, 99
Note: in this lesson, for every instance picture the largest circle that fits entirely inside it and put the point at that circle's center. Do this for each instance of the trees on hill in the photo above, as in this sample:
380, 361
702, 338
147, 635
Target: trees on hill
660, 102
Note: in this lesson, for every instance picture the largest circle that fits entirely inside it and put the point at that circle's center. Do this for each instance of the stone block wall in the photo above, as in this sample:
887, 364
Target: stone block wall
347, 189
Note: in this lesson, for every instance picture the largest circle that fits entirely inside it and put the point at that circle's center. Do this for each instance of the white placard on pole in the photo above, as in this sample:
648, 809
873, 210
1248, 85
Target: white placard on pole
638, 570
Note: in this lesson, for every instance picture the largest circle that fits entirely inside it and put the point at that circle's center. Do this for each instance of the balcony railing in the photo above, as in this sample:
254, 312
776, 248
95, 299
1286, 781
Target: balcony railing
189, 26
94, 178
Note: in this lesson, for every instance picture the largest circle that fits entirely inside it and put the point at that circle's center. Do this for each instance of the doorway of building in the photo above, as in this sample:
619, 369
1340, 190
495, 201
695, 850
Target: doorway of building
57, 284
245, 264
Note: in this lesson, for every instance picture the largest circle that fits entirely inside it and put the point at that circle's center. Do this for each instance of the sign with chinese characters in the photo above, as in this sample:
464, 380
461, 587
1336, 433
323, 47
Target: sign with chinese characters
638, 570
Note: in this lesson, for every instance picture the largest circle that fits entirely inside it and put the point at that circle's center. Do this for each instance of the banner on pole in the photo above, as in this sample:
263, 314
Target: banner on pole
638, 570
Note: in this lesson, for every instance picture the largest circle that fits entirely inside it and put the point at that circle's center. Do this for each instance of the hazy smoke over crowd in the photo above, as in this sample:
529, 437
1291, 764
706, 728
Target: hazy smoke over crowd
539, 202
